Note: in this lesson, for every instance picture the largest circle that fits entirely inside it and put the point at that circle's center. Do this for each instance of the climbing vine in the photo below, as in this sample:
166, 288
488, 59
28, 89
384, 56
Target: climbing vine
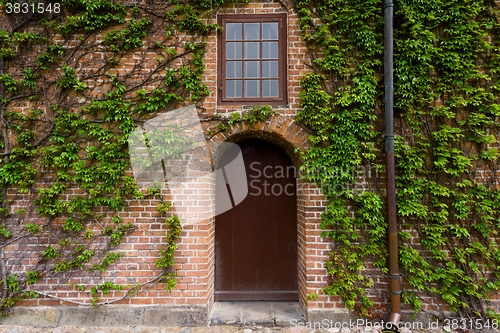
446, 93
224, 122
74, 84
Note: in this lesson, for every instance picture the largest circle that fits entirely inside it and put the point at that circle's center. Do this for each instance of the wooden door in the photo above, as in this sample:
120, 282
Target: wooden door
256, 241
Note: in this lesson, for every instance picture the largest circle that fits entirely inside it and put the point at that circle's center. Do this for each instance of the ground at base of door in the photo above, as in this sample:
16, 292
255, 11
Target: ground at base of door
283, 314
210, 329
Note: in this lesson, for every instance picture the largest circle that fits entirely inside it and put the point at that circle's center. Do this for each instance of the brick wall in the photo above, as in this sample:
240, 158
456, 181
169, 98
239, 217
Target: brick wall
195, 202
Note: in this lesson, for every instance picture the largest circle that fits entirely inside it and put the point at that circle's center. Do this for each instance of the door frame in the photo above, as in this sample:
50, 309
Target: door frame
259, 295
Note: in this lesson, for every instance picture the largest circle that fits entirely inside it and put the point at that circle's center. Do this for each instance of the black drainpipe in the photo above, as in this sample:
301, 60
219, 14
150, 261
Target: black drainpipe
394, 277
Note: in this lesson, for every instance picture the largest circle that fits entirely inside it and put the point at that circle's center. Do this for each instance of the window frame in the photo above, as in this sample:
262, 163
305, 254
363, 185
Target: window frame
282, 98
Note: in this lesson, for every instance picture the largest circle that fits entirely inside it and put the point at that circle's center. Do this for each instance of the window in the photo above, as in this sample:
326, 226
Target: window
252, 59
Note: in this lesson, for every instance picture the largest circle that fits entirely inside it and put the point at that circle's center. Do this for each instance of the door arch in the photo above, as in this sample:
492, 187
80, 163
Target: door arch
256, 241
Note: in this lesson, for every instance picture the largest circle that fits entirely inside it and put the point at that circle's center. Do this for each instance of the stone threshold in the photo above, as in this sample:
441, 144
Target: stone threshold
275, 313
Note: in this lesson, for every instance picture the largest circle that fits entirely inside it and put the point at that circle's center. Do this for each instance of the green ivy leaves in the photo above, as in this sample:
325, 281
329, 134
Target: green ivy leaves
128, 38
338, 102
90, 15
71, 94
446, 99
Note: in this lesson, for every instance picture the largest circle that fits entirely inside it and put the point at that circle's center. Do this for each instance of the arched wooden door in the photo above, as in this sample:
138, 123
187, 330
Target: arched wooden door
256, 241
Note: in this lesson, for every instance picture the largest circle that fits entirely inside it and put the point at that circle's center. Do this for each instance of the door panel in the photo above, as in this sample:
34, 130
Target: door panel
256, 241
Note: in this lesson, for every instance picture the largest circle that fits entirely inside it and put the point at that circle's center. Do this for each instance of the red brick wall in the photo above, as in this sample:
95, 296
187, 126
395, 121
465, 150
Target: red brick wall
195, 253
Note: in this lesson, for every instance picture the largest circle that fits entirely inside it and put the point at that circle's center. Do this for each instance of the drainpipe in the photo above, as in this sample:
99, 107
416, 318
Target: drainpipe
394, 277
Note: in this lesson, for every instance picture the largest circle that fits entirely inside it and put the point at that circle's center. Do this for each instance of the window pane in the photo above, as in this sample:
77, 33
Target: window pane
270, 30
233, 50
252, 31
233, 31
270, 88
252, 88
270, 68
233, 69
269, 50
252, 66
252, 69
233, 88
252, 50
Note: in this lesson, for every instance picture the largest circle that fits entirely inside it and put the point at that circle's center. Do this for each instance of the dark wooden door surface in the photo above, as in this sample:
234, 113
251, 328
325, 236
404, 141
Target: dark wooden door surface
256, 241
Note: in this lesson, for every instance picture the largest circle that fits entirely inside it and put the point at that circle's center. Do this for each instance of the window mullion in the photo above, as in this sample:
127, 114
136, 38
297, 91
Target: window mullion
242, 88
261, 86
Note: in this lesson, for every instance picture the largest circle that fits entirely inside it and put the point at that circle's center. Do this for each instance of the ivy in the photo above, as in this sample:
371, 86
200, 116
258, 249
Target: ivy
71, 92
49, 57
256, 114
446, 71
90, 15
128, 38
167, 260
68, 80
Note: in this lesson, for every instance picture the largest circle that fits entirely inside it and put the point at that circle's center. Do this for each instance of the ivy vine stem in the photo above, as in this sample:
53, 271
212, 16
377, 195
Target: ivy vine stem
130, 291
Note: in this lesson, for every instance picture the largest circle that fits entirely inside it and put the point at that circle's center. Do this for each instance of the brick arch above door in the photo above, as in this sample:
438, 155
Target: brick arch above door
281, 130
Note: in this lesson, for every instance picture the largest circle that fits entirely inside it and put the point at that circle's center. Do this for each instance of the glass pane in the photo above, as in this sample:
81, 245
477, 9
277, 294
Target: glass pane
252, 69
233, 31
233, 69
252, 50
270, 68
270, 88
233, 50
270, 30
252, 31
269, 50
252, 88
233, 88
